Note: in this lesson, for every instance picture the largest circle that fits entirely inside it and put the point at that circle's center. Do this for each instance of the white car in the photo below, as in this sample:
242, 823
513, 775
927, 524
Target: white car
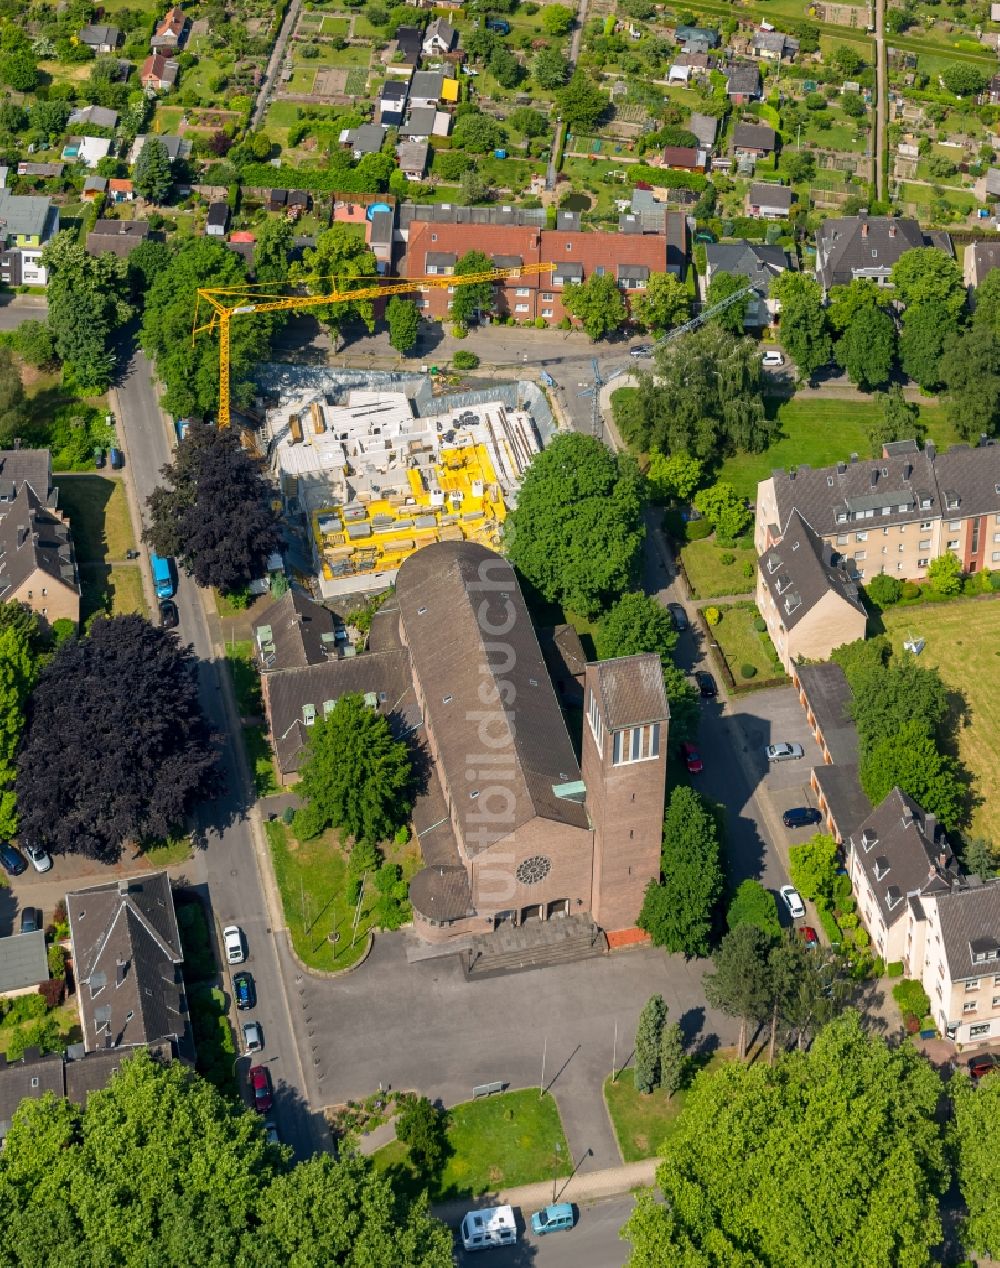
790, 897
783, 752
772, 359
40, 859
253, 1038
232, 939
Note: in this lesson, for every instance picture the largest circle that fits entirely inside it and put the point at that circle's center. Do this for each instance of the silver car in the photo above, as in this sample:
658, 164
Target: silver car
783, 752
253, 1038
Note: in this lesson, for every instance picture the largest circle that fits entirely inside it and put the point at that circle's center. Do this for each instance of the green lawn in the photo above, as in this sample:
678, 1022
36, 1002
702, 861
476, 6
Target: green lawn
742, 645
709, 576
819, 431
312, 878
99, 517
173, 850
962, 644
642, 1123
506, 1140
246, 685
116, 590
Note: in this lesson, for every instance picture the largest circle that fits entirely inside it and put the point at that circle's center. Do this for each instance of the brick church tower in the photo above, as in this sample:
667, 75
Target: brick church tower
624, 769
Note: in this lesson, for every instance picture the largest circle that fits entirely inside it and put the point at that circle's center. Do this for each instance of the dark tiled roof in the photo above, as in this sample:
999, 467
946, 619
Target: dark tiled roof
986, 256
846, 245
763, 194
23, 961
753, 136
704, 127
33, 538
970, 926
442, 893
449, 594
127, 953
844, 795
801, 570
758, 262
632, 690
120, 237
394, 90
27, 466
974, 474
830, 699
301, 633
743, 78
902, 852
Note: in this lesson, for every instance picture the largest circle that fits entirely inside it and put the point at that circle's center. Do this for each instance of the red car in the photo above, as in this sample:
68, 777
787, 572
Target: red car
982, 1065
808, 935
260, 1085
692, 759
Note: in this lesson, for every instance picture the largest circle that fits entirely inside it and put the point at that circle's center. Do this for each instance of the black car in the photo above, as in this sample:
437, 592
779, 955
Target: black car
31, 920
245, 991
706, 684
801, 817
169, 616
12, 860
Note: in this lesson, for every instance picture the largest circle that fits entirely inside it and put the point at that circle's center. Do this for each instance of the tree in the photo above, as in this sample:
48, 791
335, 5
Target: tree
847, 301
68, 1182
214, 511
34, 344
145, 263
475, 188
899, 419
636, 623
735, 1189
576, 533
884, 590
96, 770
921, 344
798, 166
926, 275
356, 776
741, 983
912, 761
987, 302
86, 306
963, 80
976, 1139
420, 1126
673, 477
12, 414
867, 348
808, 989
550, 69
19, 70
404, 323
980, 857
970, 370
664, 303
812, 865
474, 299
475, 132
945, 574
673, 1062
804, 330
724, 509
340, 254
685, 705
885, 697
504, 67
647, 1044
754, 905
597, 304
678, 913
18, 671
847, 60
529, 121
152, 175
582, 101
275, 240
557, 19
721, 287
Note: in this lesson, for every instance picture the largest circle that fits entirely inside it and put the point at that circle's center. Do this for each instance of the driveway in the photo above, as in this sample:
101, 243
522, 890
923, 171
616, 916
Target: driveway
424, 1026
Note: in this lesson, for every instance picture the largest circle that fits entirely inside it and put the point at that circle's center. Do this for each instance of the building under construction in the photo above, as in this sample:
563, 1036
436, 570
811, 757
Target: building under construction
376, 481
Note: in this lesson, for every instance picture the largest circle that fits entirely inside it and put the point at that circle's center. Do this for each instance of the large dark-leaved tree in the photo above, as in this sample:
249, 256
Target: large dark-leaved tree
214, 511
116, 748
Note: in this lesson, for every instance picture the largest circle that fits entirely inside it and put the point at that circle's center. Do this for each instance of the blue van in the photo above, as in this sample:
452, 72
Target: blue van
553, 1219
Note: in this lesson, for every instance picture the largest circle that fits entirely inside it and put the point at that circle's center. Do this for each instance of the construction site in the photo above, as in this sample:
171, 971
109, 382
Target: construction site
373, 467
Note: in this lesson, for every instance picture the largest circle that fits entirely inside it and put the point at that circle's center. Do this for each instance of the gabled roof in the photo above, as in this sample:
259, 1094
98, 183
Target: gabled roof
426, 83
443, 30
294, 631
852, 245
120, 237
24, 215
970, 928
27, 466
218, 215
973, 475
742, 79
829, 697
32, 539
366, 139
704, 127
412, 155
23, 961
171, 24
760, 263
803, 569
95, 36
754, 136
95, 116
841, 788
161, 68
394, 90
765, 194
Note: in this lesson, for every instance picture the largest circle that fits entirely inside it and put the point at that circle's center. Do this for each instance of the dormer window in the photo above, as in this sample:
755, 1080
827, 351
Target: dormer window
893, 897
869, 837
881, 867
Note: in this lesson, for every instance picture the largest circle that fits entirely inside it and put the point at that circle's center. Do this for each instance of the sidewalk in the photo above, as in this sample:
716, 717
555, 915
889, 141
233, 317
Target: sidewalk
582, 1188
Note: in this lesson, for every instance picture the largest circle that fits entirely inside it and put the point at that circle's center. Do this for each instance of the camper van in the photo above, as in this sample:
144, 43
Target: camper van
494, 1226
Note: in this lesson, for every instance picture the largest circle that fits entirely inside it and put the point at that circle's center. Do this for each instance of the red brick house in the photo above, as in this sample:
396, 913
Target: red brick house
434, 249
158, 72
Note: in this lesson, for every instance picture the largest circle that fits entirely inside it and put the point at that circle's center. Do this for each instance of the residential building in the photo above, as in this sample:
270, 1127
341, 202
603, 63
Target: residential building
407, 46
392, 102
412, 159
94, 189
696, 39
218, 220
48, 171
27, 223
440, 37
120, 237
959, 938
868, 246
742, 82
704, 127
760, 264
981, 258
102, 39
896, 513
766, 201
753, 140
24, 963
88, 150
121, 190
426, 88
158, 73
94, 116
773, 46
380, 232
366, 139
127, 958
177, 147
293, 632
807, 596
678, 251
684, 158
170, 31
37, 563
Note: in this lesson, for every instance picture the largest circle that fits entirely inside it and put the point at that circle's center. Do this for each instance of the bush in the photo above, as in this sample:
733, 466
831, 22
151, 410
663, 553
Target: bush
909, 590
465, 360
53, 991
760, 625
911, 998
895, 969
749, 568
911, 1024
713, 616
24, 1008
727, 558
402, 834
846, 905
697, 530
841, 886
828, 922
847, 920
57, 961
748, 670
884, 591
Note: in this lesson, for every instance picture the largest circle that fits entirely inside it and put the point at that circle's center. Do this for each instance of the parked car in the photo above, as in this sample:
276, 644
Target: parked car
271, 1132
982, 1065
808, 935
553, 1219
801, 817
39, 859
253, 1038
692, 758
260, 1086
31, 919
98, 457
499, 25
706, 684
117, 458
790, 897
169, 616
232, 938
772, 359
680, 617
245, 990
12, 860
641, 350
784, 752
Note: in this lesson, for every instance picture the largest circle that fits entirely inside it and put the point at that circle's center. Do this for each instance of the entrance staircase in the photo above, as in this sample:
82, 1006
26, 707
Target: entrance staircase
537, 944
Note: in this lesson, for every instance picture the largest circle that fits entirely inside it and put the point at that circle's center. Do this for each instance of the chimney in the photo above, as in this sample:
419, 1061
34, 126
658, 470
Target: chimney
892, 228
864, 228
930, 450
930, 827
121, 971
854, 457
122, 888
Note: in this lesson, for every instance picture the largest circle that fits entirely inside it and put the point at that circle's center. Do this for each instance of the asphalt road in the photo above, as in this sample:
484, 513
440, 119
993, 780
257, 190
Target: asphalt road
227, 866
594, 1242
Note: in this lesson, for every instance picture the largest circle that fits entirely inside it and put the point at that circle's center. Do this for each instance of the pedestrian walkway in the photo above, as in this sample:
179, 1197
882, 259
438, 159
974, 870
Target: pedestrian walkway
589, 1187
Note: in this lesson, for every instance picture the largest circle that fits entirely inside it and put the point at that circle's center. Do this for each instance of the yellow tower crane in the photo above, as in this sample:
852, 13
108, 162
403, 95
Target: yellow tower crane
238, 301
